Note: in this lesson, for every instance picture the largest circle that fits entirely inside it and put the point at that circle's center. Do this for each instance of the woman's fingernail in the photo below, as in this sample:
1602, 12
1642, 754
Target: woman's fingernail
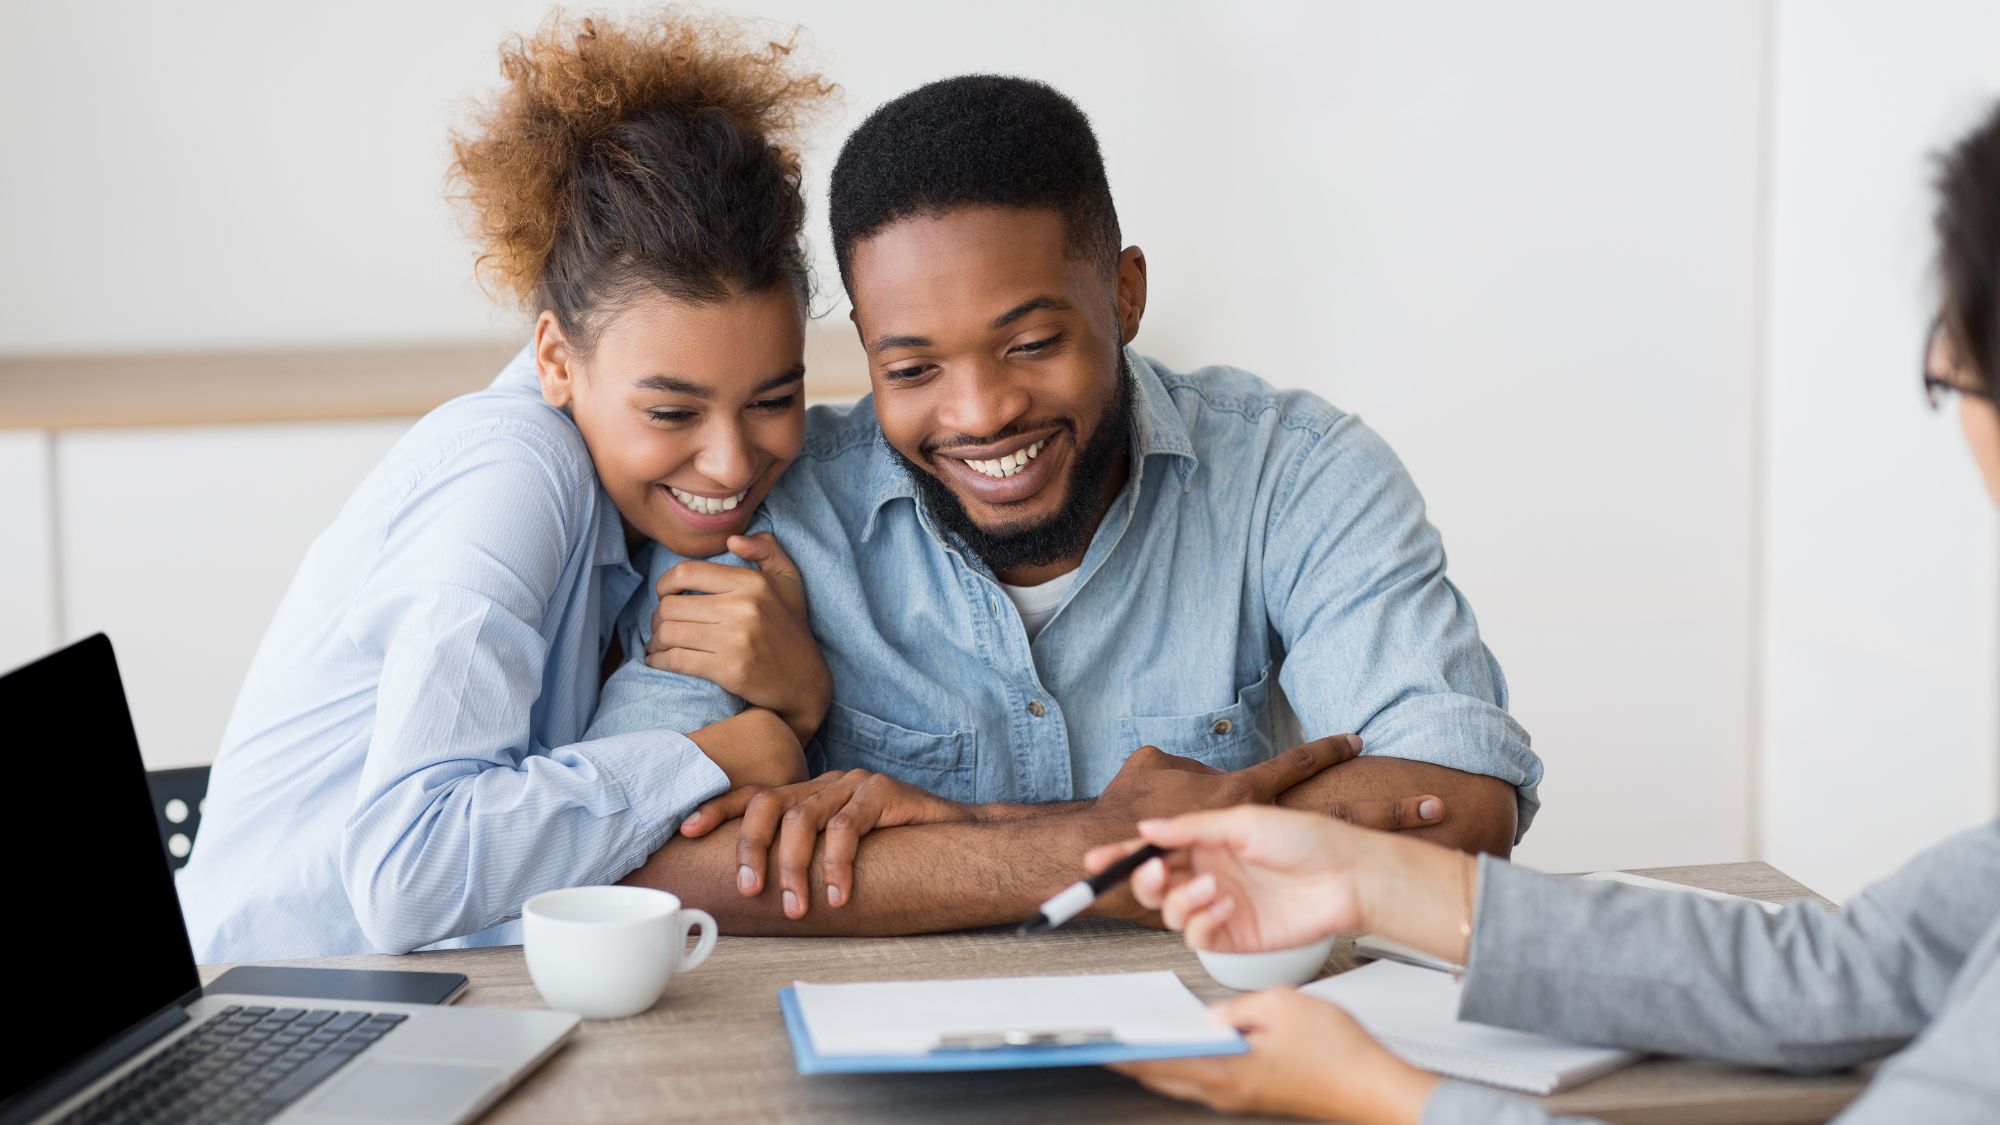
791, 903
745, 878
692, 820
832, 895
1429, 810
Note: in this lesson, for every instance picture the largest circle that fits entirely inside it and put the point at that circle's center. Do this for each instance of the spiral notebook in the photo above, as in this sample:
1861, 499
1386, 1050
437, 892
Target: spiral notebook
1414, 1012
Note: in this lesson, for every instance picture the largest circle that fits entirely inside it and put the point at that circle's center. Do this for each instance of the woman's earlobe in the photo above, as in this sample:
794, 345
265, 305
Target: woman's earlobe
552, 361
555, 388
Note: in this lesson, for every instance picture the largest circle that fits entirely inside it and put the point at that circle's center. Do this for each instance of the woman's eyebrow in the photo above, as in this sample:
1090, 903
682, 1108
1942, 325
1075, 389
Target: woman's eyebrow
673, 385
792, 375
676, 385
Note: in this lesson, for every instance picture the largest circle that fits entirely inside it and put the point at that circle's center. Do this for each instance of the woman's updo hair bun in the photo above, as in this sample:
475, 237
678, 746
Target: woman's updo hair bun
649, 153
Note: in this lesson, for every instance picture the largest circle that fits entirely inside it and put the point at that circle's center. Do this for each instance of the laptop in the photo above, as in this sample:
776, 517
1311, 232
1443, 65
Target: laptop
110, 1023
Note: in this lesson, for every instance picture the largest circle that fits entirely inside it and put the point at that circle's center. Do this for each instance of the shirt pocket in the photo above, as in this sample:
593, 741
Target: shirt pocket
1231, 738
940, 763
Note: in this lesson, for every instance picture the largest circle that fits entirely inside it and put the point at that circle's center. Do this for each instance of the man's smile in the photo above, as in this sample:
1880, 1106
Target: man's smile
1006, 472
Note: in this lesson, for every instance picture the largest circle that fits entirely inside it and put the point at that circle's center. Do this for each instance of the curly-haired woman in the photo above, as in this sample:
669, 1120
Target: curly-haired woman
405, 765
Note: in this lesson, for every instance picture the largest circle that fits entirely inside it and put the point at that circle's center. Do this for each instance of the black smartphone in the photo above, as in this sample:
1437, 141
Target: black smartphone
395, 986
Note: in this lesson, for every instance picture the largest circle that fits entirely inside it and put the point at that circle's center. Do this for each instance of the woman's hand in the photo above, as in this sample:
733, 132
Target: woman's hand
845, 805
746, 629
1308, 1058
1251, 878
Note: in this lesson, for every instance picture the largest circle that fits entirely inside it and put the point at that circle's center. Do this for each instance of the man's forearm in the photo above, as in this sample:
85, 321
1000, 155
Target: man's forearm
916, 879
1479, 810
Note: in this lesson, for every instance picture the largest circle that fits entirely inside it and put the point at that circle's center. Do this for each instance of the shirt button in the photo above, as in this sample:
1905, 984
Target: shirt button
1036, 709
1223, 726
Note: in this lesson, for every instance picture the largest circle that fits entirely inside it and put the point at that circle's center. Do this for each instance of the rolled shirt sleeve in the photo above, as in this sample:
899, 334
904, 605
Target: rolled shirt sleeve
640, 697
459, 816
1377, 640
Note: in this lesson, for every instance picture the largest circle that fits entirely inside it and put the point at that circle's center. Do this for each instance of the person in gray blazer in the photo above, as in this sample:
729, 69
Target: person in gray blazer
1911, 968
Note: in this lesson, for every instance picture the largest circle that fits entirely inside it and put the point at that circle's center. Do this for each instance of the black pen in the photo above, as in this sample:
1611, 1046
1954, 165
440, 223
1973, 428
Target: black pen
1077, 897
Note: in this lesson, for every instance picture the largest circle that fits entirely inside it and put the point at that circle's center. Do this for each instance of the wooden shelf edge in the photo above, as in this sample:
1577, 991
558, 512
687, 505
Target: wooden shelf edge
102, 391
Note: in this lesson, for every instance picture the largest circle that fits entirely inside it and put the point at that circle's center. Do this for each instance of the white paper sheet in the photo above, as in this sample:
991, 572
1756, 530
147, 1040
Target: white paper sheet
909, 1017
1414, 1012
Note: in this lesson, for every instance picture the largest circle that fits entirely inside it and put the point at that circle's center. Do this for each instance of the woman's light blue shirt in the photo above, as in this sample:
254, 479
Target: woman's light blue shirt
407, 762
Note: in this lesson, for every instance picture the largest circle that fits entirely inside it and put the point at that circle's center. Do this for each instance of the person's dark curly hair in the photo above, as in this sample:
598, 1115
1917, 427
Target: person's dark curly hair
975, 140
1967, 222
644, 155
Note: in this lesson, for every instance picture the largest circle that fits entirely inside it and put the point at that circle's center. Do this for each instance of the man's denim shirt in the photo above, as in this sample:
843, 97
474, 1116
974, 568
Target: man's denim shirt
1267, 550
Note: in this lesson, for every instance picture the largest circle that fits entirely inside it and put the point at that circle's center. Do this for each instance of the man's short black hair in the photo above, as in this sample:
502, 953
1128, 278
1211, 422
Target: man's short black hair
971, 141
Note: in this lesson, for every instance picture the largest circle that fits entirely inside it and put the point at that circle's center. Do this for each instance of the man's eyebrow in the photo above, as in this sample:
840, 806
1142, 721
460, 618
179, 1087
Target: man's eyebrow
1036, 304
676, 385
884, 343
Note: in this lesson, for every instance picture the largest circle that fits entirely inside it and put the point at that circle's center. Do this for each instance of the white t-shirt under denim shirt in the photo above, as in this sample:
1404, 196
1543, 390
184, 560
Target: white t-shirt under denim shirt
407, 763
1038, 603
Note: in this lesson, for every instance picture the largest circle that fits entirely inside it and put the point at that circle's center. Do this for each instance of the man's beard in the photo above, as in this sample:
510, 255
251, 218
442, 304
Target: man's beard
1067, 531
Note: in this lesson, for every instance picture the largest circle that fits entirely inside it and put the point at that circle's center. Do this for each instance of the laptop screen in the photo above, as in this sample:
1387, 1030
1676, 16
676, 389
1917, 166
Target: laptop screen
94, 941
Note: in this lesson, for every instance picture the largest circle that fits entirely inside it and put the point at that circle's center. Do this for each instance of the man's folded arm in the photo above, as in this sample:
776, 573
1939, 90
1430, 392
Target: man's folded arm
1479, 809
918, 878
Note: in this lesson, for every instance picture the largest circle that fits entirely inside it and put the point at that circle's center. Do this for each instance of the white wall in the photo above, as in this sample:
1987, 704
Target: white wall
178, 550
1881, 661
1526, 241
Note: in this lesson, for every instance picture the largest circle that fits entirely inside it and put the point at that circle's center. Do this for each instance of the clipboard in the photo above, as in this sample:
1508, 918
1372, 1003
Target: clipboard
1017, 1049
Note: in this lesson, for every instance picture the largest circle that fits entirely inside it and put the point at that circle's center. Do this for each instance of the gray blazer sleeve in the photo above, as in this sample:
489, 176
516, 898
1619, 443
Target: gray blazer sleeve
1949, 1074
1677, 974
1946, 1077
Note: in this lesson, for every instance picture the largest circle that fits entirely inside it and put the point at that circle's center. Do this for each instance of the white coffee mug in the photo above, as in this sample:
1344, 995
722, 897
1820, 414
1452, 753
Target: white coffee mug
607, 952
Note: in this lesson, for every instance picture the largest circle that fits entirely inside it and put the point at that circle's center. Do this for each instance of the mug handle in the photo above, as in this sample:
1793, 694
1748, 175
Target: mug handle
690, 918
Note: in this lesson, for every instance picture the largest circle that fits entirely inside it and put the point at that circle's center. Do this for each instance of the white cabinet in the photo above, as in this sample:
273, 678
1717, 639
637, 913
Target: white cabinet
27, 549
179, 542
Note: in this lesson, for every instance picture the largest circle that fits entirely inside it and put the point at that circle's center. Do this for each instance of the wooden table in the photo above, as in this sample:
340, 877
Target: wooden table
715, 1049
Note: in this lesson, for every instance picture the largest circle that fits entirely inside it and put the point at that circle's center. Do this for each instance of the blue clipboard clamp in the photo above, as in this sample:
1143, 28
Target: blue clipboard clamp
991, 1053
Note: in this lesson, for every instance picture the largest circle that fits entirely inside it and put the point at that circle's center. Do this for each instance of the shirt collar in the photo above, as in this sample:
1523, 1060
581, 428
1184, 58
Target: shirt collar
611, 550
1157, 430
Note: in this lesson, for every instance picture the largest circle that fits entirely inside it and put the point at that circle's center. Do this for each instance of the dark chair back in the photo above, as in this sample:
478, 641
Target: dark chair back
177, 799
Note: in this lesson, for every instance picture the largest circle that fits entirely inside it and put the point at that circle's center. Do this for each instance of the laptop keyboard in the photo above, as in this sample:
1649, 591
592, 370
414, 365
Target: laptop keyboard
244, 1064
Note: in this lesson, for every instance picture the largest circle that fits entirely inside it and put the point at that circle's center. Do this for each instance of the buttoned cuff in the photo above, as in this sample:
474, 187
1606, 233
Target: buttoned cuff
662, 777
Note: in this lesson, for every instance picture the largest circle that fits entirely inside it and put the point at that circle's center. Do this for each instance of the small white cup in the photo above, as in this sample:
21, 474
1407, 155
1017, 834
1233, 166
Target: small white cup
608, 952
1269, 969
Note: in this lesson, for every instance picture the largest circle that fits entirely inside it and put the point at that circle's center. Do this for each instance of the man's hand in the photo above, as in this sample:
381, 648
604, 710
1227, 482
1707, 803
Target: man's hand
1154, 783
744, 628
844, 804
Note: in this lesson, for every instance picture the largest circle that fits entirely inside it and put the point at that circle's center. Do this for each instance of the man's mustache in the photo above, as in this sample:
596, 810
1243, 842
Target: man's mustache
960, 441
